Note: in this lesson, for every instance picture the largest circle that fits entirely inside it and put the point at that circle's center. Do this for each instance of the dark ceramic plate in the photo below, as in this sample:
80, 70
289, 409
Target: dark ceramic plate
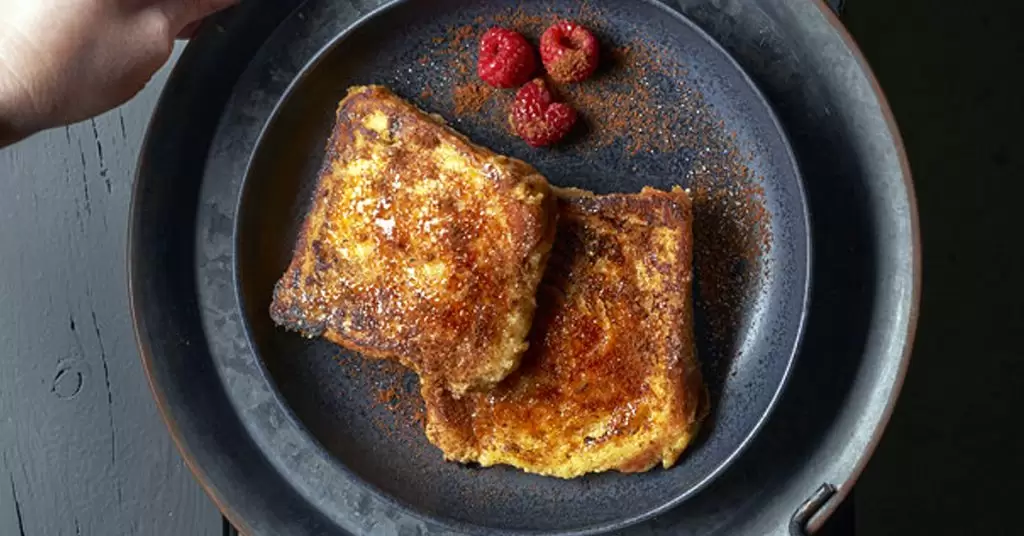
337, 405
316, 449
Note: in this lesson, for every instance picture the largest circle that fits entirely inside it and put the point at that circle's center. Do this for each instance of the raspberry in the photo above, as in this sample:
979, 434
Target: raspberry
537, 118
569, 52
506, 58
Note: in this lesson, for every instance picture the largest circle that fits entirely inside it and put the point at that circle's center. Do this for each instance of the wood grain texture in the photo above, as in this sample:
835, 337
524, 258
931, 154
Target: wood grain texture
83, 450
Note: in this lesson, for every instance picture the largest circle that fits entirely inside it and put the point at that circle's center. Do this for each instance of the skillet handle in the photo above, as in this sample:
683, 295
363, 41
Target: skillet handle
798, 523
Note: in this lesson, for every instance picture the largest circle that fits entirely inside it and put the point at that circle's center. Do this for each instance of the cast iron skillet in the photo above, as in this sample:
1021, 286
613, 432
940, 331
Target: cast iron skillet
282, 453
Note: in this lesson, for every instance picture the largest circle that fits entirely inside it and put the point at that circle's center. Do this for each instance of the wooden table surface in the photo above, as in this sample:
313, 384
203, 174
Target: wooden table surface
83, 450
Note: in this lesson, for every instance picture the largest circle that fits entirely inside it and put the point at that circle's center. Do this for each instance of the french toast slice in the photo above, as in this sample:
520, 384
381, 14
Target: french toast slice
420, 246
611, 380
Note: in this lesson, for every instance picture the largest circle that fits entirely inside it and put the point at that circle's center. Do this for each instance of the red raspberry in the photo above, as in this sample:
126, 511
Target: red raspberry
537, 118
506, 58
569, 52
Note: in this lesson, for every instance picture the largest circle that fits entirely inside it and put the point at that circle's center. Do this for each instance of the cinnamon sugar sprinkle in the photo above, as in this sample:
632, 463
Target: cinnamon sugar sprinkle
393, 388
570, 63
640, 102
470, 98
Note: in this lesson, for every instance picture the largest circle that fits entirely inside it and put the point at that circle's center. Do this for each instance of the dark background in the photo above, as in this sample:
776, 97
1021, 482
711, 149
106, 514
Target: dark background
83, 451
952, 459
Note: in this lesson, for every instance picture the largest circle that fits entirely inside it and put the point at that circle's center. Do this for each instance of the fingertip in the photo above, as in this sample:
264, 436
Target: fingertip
189, 30
191, 13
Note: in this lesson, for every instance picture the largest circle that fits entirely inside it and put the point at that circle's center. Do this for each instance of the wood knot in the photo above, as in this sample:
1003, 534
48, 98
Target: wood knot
68, 380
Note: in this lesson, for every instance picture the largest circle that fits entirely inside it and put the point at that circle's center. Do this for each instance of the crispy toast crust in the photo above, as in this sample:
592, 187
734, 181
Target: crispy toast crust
419, 246
611, 381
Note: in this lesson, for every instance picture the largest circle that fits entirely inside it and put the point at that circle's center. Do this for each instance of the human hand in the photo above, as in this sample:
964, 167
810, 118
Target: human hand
63, 61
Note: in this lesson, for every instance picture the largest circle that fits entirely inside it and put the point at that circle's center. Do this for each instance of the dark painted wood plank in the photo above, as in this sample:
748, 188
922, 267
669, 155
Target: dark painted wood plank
82, 447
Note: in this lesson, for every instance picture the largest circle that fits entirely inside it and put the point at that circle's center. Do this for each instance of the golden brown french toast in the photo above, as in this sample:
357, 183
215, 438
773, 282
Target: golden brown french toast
611, 379
419, 247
